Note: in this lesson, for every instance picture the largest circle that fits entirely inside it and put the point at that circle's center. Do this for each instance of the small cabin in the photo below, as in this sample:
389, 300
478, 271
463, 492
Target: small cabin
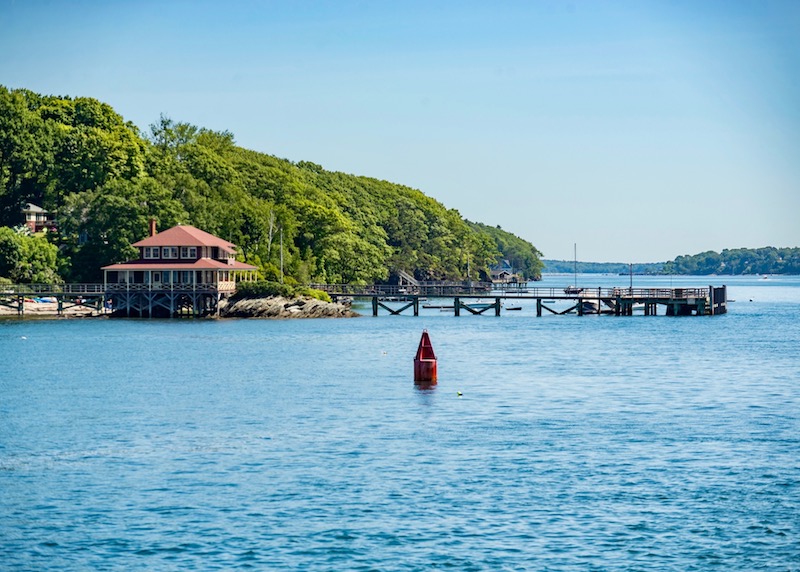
503, 273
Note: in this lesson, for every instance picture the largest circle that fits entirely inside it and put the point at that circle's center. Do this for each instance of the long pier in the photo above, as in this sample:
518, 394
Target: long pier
468, 298
708, 301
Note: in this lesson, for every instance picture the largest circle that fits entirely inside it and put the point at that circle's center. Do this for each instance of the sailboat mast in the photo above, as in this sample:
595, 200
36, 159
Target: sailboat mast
575, 257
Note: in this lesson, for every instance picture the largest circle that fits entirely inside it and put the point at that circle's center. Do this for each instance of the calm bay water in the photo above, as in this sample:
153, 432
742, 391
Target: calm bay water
577, 443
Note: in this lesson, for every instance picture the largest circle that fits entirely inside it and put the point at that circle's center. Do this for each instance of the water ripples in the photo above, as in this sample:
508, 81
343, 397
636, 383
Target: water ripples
570, 444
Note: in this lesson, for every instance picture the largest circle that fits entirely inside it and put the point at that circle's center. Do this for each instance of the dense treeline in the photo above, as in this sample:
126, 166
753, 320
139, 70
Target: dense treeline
568, 266
768, 260
523, 257
77, 158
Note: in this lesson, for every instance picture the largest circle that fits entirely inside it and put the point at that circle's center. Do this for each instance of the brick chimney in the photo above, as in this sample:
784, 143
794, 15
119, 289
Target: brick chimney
152, 227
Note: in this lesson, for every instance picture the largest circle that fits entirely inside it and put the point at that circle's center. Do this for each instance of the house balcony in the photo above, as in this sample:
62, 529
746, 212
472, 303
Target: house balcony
210, 287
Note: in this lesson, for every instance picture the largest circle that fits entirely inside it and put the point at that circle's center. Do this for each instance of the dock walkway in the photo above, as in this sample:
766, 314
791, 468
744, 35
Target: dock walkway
475, 298
66, 296
706, 301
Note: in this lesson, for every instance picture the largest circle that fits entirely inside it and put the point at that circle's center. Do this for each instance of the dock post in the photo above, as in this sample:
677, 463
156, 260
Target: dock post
580, 306
497, 306
416, 305
538, 307
374, 305
457, 306
711, 299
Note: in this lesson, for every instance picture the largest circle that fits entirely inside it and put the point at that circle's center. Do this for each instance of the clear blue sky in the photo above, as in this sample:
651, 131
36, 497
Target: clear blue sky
640, 130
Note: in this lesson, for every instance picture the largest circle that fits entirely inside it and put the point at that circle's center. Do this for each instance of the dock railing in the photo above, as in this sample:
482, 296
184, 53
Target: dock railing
443, 289
420, 289
608, 293
483, 288
44, 289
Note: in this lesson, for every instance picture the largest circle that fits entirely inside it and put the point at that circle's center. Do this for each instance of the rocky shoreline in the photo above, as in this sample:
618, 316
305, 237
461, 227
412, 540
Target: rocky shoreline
280, 307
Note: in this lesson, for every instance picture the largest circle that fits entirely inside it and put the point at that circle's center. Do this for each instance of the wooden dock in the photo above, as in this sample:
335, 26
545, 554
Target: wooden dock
460, 298
129, 300
66, 296
707, 301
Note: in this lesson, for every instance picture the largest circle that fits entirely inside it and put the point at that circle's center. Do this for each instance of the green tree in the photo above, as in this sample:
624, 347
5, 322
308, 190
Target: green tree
25, 152
10, 252
98, 227
27, 259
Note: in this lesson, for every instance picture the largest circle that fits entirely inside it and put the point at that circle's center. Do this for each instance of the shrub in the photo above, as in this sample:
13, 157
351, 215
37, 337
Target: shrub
312, 293
262, 289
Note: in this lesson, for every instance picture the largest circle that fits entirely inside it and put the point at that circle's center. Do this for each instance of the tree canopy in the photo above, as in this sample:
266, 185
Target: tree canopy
103, 179
768, 260
27, 259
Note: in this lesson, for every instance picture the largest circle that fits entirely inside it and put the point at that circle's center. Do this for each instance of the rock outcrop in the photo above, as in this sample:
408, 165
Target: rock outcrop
279, 307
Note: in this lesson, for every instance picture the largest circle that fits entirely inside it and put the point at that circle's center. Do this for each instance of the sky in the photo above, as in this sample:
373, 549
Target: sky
631, 131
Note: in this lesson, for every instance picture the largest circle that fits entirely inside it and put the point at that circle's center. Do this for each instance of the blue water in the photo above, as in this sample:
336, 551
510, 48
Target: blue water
576, 443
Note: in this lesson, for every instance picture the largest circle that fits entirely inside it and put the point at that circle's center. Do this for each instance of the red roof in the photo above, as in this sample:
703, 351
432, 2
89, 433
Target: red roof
201, 264
185, 235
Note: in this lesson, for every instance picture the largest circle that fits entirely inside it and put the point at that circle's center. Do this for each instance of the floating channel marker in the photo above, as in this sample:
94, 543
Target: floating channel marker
425, 362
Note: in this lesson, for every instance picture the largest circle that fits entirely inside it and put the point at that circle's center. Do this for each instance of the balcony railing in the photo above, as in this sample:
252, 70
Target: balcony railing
42, 289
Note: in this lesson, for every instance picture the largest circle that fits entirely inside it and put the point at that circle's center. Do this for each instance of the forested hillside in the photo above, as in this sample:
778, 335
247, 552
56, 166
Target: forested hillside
523, 257
103, 179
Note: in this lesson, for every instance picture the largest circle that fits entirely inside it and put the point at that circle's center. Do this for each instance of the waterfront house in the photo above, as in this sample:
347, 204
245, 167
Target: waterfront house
182, 270
36, 218
503, 273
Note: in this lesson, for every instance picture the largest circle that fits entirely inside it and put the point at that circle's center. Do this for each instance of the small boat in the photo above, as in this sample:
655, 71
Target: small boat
513, 308
572, 290
590, 307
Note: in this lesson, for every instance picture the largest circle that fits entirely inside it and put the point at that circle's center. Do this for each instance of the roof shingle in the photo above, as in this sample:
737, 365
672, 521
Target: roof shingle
185, 235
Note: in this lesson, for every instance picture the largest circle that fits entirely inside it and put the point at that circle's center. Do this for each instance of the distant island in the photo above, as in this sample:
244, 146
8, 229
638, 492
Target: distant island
739, 261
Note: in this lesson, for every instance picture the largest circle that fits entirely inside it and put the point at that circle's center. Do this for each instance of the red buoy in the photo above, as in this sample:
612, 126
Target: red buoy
425, 362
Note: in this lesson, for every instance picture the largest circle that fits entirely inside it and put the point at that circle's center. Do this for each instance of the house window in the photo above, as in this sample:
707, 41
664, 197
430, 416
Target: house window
169, 252
156, 276
188, 252
151, 252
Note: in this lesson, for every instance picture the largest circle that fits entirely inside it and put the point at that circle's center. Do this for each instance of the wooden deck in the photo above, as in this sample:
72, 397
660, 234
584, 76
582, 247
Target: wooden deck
475, 298
705, 301
66, 296
132, 300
